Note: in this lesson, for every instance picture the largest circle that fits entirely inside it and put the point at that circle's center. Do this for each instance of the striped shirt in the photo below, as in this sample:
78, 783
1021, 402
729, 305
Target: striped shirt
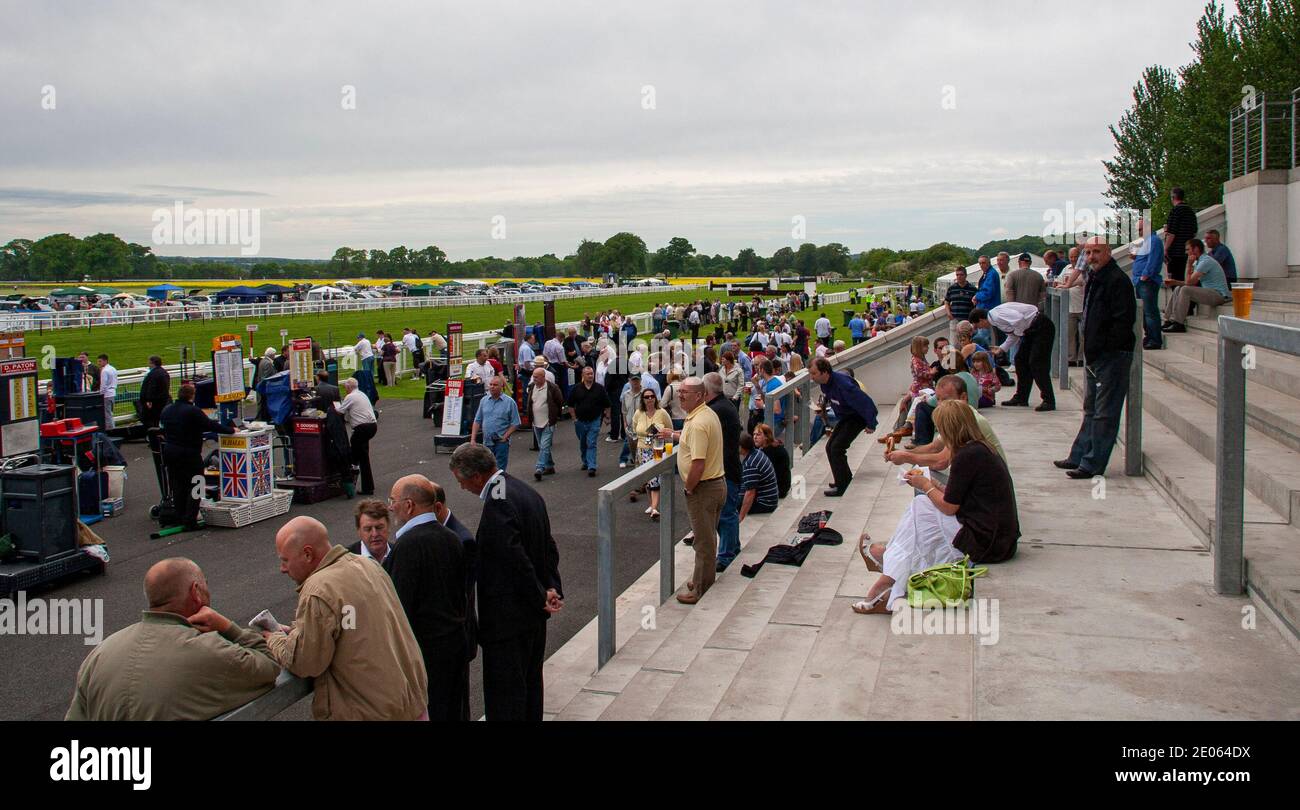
758, 474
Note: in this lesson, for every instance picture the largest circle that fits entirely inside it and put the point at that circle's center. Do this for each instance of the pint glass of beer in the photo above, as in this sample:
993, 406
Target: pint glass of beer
1243, 295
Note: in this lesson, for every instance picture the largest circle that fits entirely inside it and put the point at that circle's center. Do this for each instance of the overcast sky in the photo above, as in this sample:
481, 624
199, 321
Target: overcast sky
542, 113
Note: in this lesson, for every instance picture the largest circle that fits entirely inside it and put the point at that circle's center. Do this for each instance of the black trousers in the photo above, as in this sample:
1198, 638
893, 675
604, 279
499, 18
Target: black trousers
182, 466
512, 675
837, 448
1034, 360
360, 442
446, 663
614, 388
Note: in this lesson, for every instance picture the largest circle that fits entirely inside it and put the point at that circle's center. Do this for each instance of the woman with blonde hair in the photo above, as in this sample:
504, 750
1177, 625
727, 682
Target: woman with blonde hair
649, 415
672, 402
974, 514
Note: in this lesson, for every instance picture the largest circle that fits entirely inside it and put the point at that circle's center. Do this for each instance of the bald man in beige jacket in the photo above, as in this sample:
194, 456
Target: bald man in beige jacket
349, 632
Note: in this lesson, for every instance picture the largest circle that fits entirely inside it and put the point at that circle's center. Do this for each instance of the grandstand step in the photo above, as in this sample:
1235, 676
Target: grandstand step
1266, 312
1272, 469
1275, 370
741, 603
1275, 414
1288, 283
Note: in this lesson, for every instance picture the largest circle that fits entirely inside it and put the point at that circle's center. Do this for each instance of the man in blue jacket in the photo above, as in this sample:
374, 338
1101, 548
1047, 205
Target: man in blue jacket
856, 413
1148, 261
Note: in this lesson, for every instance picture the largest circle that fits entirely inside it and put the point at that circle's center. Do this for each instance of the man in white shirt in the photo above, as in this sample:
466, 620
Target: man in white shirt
480, 369
823, 329
359, 415
408, 340
365, 354
108, 385
1030, 334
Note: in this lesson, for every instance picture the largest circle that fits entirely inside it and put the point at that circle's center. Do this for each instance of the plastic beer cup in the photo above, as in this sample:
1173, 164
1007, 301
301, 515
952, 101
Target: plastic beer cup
1243, 294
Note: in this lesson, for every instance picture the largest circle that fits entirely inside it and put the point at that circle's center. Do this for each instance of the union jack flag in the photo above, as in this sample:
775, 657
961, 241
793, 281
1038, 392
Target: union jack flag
234, 472
261, 474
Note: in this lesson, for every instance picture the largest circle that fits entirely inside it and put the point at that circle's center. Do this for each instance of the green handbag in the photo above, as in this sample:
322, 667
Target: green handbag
947, 585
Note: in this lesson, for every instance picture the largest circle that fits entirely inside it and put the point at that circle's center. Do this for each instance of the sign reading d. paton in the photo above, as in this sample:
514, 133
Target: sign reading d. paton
91, 764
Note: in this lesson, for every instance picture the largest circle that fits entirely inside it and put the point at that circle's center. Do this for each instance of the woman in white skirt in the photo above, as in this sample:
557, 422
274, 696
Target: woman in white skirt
974, 514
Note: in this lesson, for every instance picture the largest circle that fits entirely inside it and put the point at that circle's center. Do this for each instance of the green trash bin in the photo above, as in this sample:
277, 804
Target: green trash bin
674, 327
848, 316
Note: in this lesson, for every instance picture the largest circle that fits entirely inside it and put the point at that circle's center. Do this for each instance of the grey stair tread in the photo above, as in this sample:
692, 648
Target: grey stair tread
767, 678
838, 677
642, 696
1187, 478
1275, 413
1276, 370
1272, 469
698, 691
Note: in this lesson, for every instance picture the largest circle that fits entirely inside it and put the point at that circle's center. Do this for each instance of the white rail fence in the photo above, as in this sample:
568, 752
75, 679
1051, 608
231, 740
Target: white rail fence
89, 318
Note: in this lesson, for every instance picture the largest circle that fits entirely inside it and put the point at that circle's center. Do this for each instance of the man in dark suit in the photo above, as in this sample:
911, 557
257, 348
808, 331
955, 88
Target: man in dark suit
372, 531
326, 393
467, 541
427, 565
155, 392
518, 584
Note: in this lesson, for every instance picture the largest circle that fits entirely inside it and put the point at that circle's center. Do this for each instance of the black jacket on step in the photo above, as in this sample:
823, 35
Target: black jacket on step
517, 562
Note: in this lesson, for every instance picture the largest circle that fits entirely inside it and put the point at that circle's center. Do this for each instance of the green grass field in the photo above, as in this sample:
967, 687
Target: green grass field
129, 346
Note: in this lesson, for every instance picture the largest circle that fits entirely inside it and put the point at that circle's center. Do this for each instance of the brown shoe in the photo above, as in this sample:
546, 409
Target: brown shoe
688, 598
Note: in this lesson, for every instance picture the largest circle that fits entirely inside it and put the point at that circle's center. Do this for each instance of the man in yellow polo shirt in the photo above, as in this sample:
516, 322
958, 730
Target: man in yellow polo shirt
699, 463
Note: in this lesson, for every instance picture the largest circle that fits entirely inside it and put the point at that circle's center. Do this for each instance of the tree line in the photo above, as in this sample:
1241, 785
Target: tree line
105, 257
1176, 132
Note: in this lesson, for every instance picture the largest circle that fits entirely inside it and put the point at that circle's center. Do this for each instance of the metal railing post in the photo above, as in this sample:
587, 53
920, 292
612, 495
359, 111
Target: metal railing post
1133, 405
1054, 315
667, 535
1230, 464
605, 619
1063, 357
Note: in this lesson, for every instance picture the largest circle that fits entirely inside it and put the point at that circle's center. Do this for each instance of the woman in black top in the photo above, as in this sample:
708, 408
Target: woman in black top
975, 514
776, 453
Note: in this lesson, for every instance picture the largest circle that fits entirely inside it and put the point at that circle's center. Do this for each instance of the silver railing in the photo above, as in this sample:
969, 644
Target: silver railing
802, 386
1237, 336
1262, 135
1058, 310
288, 690
607, 496
607, 531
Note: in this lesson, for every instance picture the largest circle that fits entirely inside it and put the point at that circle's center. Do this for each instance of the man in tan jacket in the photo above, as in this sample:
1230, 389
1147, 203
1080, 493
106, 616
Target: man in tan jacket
181, 661
349, 633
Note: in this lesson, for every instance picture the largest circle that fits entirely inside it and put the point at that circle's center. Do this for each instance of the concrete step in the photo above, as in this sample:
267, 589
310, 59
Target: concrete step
1263, 311
1185, 476
1273, 413
1272, 469
731, 616
1278, 371
771, 639
1287, 283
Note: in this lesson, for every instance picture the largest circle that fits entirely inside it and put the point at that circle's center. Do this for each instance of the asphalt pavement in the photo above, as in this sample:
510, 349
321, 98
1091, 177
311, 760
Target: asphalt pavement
39, 672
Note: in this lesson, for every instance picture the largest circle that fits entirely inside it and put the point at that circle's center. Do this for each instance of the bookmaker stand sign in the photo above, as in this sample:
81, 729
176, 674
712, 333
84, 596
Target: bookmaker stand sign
228, 368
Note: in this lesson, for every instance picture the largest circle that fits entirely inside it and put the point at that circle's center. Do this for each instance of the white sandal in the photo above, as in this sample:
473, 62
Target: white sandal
878, 605
864, 548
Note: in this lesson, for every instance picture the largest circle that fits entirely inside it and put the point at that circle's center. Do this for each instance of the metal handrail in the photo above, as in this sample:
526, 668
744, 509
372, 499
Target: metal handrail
288, 690
1236, 337
853, 358
1260, 133
606, 531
